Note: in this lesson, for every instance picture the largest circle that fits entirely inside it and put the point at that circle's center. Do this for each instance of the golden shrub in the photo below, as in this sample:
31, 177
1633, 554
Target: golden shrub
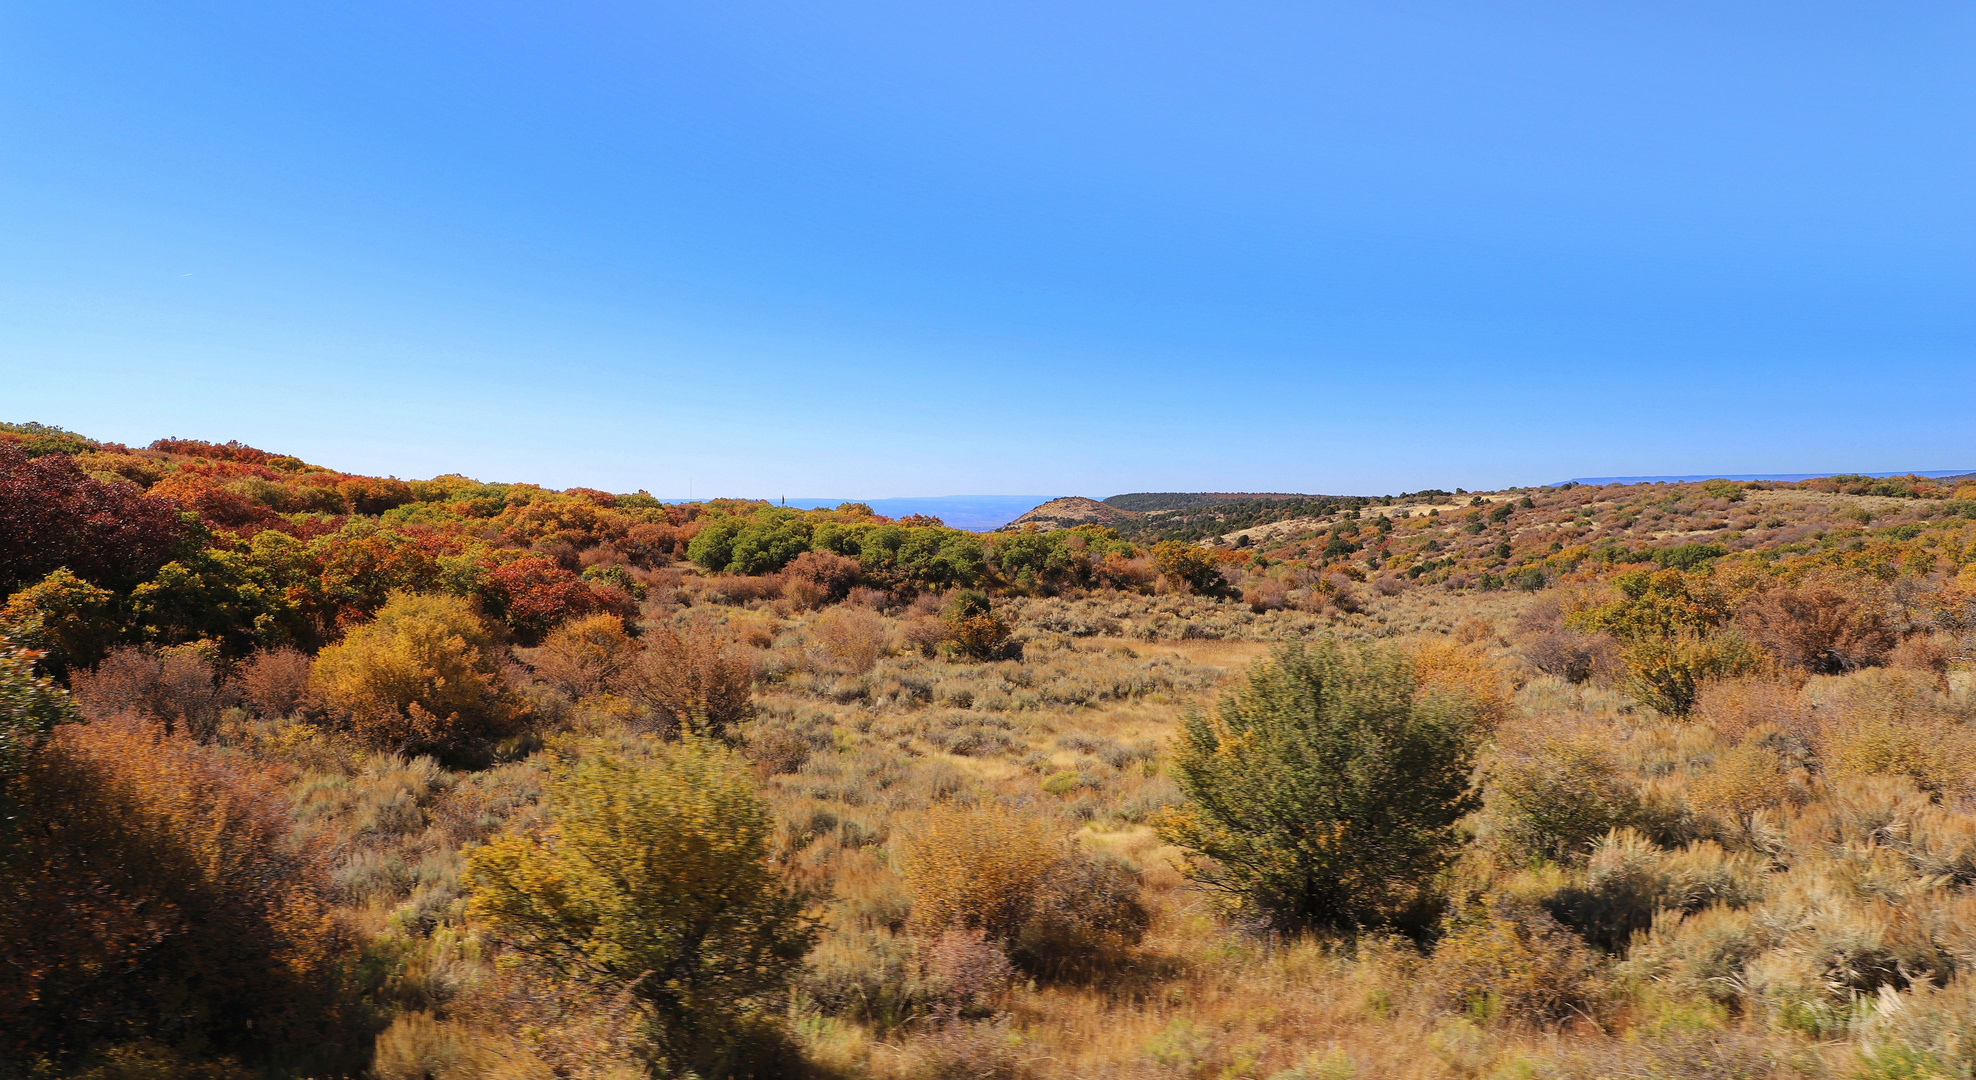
653, 866
982, 637
585, 655
1441, 667
1892, 723
1504, 960
1735, 707
1747, 779
420, 678
851, 636
976, 869
158, 895
418, 1047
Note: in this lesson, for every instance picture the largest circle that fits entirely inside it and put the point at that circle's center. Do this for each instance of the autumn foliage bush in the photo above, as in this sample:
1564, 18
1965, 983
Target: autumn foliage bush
52, 515
72, 622
178, 687
1189, 566
973, 629
1049, 905
850, 636
826, 576
693, 681
586, 655
971, 870
421, 678
1818, 629
534, 593
275, 681
153, 894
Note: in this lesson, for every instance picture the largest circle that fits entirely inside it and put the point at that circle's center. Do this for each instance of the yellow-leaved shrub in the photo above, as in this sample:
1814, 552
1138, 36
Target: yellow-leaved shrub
654, 879
421, 678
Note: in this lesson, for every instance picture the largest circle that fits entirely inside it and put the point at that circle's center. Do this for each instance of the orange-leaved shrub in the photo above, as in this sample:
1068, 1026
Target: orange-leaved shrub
153, 894
177, 686
693, 681
584, 656
976, 870
275, 681
819, 577
1736, 707
1818, 629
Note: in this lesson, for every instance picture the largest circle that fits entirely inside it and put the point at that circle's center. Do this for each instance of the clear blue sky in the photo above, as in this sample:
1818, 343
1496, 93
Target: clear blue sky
916, 249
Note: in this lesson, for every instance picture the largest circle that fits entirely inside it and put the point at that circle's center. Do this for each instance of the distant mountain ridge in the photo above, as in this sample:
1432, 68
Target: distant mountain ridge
979, 513
1186, 515
1940, 474
1193, 514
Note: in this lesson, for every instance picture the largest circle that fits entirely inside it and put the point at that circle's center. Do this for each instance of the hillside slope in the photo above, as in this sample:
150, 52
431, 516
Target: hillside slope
1074, 510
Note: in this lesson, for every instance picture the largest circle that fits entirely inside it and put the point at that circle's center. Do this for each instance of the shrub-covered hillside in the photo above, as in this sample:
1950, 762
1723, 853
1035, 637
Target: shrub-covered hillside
305, 774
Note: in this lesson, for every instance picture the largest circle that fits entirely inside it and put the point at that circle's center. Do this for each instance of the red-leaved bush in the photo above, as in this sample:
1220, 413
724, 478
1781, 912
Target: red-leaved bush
53, 515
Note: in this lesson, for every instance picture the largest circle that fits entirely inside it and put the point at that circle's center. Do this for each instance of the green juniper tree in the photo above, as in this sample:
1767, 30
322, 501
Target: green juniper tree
1325, 792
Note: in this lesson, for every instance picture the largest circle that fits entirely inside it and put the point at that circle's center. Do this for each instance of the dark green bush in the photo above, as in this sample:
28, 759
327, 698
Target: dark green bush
1322, 793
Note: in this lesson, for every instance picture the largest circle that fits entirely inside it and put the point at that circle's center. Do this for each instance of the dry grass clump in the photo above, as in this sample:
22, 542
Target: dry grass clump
1504, 958
975, 870
1750, 778
419, 1047
1735, 707
1895, 723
